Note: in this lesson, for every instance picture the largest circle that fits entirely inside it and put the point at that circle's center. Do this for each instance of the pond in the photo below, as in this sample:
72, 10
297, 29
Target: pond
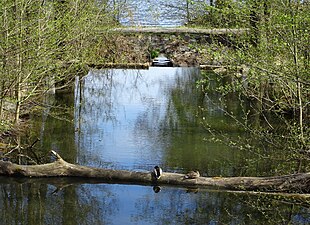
151, 13
156, 13
133, 120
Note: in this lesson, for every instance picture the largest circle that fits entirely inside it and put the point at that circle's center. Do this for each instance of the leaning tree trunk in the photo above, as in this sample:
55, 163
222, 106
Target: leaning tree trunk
288, 183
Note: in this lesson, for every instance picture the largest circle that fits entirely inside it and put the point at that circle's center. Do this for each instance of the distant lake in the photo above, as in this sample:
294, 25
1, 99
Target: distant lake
154, 13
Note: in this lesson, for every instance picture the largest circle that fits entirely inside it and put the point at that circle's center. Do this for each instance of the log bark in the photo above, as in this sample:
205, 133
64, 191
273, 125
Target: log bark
298, 183
119, 65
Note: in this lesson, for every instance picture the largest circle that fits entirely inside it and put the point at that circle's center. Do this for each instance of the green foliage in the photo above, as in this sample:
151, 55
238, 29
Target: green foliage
270, 71
41, 42
224, 14
154, 53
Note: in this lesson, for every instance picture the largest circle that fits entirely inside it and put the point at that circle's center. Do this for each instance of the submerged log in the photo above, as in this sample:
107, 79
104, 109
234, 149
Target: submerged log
299, 183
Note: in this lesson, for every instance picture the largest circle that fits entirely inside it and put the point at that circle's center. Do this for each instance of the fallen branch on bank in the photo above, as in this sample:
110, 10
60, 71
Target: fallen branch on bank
119, 65
211, 67
299, 183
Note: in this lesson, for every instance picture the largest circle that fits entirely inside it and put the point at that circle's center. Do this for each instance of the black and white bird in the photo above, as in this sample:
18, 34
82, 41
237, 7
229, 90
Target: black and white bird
157, 172
192, 175
156, 189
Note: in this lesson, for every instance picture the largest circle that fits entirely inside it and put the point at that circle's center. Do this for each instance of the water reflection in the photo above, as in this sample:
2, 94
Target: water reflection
129, 119
36, 202
118, 117
133, 120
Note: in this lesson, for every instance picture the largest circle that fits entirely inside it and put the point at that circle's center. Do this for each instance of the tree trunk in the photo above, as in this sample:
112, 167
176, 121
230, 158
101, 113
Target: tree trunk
254, 23
299, 183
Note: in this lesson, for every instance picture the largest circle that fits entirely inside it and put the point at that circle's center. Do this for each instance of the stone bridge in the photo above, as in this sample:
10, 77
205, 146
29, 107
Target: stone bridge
184, 46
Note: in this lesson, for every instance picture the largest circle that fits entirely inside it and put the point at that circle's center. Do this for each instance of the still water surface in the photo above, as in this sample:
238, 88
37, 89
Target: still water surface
158, 12
133, 120
151, 13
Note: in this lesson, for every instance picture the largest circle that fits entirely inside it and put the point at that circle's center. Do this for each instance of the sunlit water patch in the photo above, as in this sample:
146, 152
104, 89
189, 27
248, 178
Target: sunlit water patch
152, 13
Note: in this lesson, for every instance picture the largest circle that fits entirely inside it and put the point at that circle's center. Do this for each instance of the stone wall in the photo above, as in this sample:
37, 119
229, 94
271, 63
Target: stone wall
183, 50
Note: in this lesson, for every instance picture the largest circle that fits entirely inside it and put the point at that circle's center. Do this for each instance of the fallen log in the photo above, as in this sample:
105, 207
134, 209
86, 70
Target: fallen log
299, 183
213, 67
119, 65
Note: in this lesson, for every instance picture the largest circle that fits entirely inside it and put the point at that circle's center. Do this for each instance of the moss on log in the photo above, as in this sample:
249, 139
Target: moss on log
299, 183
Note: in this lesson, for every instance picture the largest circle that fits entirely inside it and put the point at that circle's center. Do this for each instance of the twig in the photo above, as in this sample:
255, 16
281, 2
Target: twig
31, 146
27, 157
58, 157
